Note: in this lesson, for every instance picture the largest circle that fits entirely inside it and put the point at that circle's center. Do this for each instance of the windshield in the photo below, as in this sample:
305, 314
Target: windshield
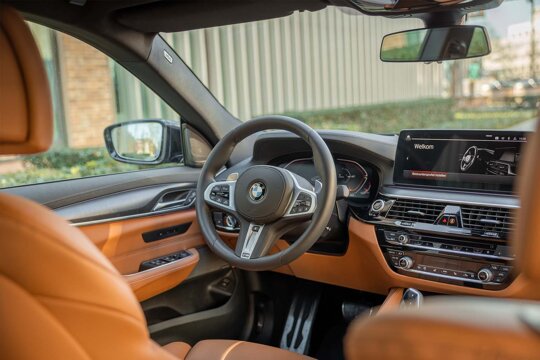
324, 69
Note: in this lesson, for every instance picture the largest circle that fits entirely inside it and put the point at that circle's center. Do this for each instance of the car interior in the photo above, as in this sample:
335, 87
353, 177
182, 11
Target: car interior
268, 238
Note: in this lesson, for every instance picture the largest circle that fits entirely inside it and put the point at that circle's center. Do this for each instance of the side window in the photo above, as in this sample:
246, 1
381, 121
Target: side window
90, 92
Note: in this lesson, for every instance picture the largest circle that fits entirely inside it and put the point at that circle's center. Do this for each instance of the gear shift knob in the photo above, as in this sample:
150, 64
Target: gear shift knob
412, 298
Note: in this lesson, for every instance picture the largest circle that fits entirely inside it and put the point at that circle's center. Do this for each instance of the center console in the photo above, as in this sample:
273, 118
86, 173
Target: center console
450, 219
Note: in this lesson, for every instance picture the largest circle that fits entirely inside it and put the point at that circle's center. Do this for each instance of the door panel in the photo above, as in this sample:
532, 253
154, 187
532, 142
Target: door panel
128, 217
123, 243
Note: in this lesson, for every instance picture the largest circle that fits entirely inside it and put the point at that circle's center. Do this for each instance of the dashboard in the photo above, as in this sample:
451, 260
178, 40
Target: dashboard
431, 209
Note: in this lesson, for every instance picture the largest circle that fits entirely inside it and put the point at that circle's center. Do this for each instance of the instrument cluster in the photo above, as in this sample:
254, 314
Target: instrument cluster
358, 178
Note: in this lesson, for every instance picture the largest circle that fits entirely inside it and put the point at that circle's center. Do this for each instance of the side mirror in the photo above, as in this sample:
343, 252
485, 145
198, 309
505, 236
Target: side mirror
436, 44
144, 142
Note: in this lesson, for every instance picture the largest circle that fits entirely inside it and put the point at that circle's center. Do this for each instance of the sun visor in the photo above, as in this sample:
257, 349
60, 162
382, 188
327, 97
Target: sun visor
189, 15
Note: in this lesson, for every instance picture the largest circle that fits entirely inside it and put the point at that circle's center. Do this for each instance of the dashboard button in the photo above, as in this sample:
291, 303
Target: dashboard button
403, 239
406, 262
485, 275
452, 221
377, 205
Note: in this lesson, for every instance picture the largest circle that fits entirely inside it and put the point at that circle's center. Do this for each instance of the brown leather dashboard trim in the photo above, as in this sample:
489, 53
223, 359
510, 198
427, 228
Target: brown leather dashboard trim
392, 301
151, 282
363, 267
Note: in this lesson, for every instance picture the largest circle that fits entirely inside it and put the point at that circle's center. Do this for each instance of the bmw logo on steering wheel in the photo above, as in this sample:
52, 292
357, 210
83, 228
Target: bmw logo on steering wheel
257, 191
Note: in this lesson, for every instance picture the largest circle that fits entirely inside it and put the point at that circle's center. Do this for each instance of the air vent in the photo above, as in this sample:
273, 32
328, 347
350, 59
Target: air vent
415, 210
487, 219
479, 219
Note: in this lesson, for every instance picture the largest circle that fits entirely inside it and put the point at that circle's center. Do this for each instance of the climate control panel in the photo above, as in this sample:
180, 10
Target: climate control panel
453, 260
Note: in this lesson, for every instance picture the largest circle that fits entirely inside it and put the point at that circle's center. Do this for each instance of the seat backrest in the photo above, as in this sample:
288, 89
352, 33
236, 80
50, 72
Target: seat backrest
526, 239
60, 298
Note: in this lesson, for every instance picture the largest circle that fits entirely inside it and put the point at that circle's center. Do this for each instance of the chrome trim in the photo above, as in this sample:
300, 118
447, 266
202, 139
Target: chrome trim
134, 216
252, 238
229, 229
377, 201
449, 201
451, 277
163, 205
421, 247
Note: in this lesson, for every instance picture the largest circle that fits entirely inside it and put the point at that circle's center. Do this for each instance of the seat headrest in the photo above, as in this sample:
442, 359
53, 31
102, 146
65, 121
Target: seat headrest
526, 238
26, 120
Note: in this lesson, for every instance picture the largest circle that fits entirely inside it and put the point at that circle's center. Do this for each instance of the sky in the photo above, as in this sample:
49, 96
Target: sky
510, 12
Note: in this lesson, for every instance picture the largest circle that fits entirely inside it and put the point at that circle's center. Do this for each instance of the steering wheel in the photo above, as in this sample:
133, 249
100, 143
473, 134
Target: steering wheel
267, 200
469, 158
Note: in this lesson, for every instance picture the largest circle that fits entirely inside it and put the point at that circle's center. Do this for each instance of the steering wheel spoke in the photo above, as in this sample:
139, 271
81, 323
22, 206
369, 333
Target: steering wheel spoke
250, 240
256, 240
220, 195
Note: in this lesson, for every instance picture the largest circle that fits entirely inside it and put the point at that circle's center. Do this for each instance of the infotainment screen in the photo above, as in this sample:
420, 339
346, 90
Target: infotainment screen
467, 159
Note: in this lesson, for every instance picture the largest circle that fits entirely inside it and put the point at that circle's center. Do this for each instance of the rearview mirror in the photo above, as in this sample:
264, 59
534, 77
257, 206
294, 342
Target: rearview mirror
144, 142
437, 44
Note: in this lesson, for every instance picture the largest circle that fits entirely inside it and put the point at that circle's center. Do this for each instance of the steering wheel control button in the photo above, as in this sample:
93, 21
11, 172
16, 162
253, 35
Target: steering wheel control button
220, 194
302, 204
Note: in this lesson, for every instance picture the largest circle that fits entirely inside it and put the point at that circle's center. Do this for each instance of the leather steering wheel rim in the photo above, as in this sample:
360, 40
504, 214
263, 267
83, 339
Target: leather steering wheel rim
325, 199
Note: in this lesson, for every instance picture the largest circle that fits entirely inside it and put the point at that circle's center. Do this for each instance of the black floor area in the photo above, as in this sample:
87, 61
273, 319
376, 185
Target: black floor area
277, 292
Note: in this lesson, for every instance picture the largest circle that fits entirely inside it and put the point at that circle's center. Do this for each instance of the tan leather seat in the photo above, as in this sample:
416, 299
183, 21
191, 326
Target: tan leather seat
468, 328
60, 298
